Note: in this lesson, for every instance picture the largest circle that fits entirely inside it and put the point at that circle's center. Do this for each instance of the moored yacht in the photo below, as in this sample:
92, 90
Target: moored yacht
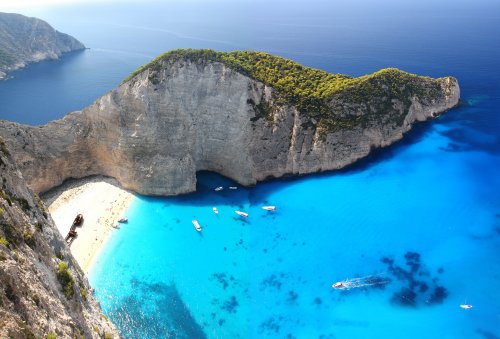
241, 214
197, 225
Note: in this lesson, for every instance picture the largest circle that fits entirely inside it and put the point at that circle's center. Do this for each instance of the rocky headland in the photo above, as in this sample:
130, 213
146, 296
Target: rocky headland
247, 115
25, 40
43, 291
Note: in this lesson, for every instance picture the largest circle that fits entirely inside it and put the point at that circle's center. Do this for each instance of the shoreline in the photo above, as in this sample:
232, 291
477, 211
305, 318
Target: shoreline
101, 200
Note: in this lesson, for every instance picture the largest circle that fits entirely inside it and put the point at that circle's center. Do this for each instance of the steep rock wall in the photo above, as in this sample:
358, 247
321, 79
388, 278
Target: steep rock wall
154, 132
33, 301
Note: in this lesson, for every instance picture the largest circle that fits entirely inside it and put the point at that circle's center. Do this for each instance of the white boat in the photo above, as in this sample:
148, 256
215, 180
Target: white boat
465, 306
196, 225
269, 208
241, 214
339, 285
122, 220
220, 188
233, 187
216, 211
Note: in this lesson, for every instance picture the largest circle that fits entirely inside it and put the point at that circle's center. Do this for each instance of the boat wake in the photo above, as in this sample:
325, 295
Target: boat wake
370, 280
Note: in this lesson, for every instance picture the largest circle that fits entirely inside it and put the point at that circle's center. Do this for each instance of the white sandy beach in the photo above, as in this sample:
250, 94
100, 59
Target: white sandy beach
102, 203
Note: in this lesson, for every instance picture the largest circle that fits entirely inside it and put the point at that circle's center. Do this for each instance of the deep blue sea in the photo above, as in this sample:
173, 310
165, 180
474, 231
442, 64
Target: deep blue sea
419, 220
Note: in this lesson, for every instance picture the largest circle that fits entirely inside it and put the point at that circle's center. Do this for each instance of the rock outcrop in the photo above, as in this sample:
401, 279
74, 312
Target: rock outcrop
25, 40
181, 115
42, 288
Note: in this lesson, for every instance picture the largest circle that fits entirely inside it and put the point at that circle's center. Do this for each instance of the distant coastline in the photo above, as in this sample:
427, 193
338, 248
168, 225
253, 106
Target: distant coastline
25, 40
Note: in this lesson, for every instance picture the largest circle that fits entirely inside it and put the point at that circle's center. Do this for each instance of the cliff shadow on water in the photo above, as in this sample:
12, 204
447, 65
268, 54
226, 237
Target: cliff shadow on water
207, 181
472, 127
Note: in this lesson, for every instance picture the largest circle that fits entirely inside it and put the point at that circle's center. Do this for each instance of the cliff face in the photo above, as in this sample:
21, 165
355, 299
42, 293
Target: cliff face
42, 288
25, 40
155, 131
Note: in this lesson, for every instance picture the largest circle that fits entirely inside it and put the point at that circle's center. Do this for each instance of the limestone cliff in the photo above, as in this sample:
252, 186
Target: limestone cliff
189, 111
42, 288
25, 40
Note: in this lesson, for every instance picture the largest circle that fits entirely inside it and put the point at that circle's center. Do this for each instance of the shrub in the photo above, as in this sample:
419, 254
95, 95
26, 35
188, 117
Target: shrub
29, 239
36, 299
40, 205
23, 203
4, 241
3, 146
83, 293
59, 254
6, 197
66, 280
51, 335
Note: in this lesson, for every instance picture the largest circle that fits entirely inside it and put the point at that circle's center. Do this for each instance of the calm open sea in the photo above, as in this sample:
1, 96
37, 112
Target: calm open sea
419, 220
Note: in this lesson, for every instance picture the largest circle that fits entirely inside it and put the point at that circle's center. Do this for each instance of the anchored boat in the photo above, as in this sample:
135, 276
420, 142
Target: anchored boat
241, 214
197, 225
269, 208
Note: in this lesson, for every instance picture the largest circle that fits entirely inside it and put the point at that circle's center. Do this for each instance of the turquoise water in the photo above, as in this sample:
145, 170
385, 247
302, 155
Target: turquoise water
423, 216
271, 274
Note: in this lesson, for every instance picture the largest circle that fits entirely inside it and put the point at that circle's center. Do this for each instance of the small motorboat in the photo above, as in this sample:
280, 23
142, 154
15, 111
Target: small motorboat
233, 187
123, 220
269, 208
217, 189
216, 211
241, 214
338, 285
196, 225
466, 306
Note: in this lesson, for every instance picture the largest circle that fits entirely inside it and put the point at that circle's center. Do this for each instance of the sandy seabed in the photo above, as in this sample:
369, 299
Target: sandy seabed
102, 202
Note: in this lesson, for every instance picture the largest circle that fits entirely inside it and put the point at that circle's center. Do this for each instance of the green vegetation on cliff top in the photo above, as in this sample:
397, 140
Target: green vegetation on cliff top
317, 93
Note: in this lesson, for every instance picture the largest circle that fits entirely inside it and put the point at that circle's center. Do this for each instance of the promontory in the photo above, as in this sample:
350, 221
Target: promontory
25, 40
247, 115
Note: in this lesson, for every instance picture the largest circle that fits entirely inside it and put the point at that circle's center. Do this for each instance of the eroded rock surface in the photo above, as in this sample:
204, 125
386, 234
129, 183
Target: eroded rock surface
36, 296
155, 131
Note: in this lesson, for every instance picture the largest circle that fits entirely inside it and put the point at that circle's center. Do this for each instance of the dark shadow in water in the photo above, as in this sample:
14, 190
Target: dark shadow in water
476, 129
154, 310
460, 140
417, 285
207, 181
487, 334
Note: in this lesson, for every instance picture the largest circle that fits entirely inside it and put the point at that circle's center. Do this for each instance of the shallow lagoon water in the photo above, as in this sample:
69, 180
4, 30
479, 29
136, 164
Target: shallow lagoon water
270, 275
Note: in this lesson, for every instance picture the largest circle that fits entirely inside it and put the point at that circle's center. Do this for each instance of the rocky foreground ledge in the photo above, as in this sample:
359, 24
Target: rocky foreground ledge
246, 115
43, 291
